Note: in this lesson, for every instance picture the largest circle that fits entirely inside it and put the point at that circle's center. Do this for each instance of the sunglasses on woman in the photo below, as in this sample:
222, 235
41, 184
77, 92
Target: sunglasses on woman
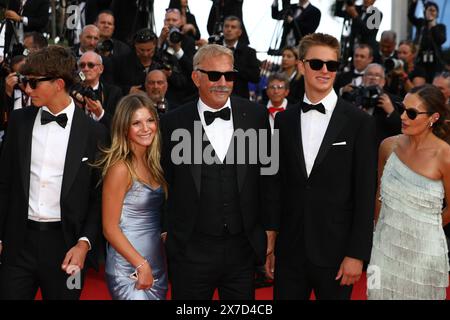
216, 75
33, 82
317, 64
413, 113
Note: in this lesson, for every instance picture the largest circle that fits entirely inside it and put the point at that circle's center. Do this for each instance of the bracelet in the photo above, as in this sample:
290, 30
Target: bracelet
144, 262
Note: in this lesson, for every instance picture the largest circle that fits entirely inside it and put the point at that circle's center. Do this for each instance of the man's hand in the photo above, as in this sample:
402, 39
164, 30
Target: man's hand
163, 35
12, 15
351, 11
348, 88
1, 247
270, 257
135, 89
94, 106
350, 271
75, 257
10, 82
386, 103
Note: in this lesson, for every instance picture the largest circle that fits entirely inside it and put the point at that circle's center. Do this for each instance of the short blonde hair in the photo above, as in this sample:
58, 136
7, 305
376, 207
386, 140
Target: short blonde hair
211, 51
318, 39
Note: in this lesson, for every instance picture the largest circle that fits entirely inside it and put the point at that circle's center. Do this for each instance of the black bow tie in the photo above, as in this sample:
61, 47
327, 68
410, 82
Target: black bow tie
211, 116
356, 75
47, 117
318, 107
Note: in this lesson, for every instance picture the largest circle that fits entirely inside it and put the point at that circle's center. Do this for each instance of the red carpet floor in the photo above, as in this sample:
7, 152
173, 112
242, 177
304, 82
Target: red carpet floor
95, 289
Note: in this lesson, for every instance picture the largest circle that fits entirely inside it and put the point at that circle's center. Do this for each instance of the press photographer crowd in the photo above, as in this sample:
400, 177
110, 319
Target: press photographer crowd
87, 155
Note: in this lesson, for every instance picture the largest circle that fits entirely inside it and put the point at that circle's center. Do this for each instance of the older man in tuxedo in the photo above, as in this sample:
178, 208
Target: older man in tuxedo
217, 211
50, 196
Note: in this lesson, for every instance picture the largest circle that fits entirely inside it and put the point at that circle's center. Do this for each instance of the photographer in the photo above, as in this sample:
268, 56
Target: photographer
299, 20
361, 30
245, 61
175, 46
384, 107
430, 37
22, 17
97, 98
33, 41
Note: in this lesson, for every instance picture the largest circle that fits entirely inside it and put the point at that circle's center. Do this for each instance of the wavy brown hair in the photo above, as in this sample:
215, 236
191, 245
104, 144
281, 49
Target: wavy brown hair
120, 149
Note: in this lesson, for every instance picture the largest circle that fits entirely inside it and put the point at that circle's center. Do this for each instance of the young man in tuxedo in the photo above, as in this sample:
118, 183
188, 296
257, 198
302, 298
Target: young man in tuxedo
216, 212
50, 196
326, 185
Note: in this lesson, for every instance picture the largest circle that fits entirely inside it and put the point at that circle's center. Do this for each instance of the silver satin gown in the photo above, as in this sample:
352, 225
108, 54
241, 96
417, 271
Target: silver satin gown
140, 223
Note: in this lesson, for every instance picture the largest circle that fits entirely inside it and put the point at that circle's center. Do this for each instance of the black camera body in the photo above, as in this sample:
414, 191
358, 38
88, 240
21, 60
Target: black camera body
175, 35
105, 46
366, 97
216, 38
163, 60
392, 64
79, 91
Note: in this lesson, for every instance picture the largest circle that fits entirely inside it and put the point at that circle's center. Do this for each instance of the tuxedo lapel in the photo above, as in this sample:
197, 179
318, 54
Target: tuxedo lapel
75, 150
195, 168
239, 122
296, 123
24, 140
337, 122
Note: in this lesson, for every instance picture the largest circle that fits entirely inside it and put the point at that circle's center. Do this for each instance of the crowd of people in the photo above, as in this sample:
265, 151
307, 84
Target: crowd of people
127, 149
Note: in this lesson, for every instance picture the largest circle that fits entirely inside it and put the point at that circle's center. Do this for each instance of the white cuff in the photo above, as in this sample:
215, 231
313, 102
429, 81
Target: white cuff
99, 118
24, 21
87, 240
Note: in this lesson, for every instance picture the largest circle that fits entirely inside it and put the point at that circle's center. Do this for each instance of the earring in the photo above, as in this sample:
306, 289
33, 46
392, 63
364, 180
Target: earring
431, 124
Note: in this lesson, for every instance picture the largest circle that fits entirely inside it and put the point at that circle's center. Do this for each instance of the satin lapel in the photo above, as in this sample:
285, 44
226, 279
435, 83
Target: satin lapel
75, 150
337, 122
239, 122
196, 144
296, 123
24, 143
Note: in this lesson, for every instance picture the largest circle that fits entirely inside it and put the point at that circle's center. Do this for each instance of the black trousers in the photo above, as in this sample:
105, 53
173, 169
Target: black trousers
296, 280
39, 266
225, 263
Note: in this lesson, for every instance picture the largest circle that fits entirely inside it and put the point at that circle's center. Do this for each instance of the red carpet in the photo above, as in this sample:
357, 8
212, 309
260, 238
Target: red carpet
95, 289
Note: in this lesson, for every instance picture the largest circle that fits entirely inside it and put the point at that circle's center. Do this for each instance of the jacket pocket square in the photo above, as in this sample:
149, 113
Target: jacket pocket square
343, 143
84, 159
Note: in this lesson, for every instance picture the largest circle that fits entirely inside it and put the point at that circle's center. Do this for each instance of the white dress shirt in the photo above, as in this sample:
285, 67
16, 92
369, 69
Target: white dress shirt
314, 125
220, 131
272, 115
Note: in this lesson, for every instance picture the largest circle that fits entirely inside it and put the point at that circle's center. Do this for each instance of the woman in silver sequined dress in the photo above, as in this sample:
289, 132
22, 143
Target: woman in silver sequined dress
409, 255
133, 194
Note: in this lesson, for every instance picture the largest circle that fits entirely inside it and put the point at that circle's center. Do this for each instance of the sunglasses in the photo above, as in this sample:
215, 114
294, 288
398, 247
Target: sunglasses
34, 81
274, 87
413, 113
90, 65
317, 64
217, 75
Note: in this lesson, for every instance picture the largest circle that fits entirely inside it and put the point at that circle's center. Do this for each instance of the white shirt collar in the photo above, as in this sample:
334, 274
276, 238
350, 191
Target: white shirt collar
234, 45
329, 102
203, 107
69, 111
283, 105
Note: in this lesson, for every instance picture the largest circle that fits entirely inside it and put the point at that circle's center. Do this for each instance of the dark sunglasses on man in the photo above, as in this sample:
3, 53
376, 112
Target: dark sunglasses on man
217, 75
317, 64
90, 65
33, 82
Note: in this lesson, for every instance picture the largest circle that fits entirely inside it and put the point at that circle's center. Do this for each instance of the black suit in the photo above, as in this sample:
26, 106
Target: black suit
196, 233
306, 23
109, 97
328, 215
37, 13
80, 206
247, 65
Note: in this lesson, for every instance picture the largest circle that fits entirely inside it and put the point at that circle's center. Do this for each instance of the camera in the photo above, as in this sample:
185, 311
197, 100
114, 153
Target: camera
105, 47
366, 97
175, 35
350, 3
79, 90
216, 38
164, 60
392, 64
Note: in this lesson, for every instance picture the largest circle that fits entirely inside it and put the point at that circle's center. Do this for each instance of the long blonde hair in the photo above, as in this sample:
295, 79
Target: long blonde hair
120, 149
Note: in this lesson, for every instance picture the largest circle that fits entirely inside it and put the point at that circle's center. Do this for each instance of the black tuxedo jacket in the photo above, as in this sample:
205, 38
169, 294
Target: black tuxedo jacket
328, 215
111, 96
306, 23
247, 65
80, 194
184, 180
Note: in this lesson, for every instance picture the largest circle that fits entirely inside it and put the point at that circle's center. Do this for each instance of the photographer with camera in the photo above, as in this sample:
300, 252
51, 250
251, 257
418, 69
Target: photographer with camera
384, 107
98, 99
89, 38
430, 36
23, 16
245, 61
299, 20
387, 45
156, 86
361, 30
